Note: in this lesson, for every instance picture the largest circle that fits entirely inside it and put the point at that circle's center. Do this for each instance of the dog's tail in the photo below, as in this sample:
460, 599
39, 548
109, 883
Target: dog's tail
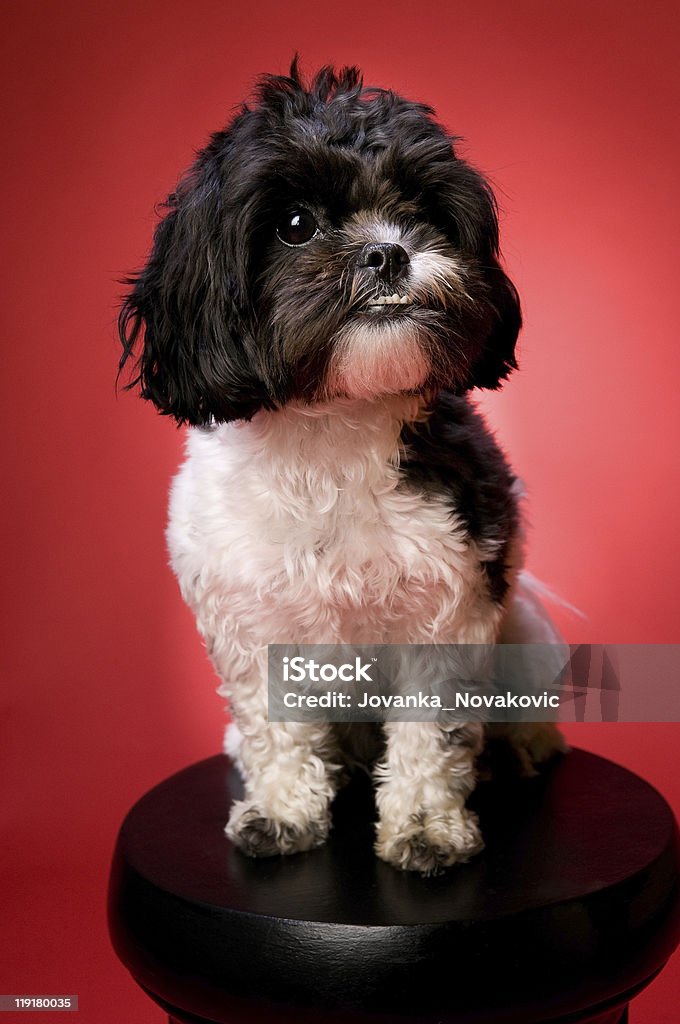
527, 620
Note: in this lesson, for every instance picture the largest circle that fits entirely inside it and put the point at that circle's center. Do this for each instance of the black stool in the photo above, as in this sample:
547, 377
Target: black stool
572, 908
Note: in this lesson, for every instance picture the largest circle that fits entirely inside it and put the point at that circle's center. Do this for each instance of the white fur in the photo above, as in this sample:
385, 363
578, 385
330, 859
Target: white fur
383, 357
297, 523
431, 270
371, 226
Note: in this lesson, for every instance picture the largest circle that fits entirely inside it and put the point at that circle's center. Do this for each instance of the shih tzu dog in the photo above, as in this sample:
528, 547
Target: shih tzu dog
323, 293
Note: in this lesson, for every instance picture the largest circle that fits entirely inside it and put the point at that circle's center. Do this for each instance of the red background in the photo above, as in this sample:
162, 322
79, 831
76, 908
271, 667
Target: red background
572, 110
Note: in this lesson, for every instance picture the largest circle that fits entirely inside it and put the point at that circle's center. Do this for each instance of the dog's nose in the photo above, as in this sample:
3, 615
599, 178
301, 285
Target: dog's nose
388, 259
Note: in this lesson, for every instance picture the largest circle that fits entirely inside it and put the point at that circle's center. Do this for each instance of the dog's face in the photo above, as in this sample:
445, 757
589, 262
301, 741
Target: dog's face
327, 243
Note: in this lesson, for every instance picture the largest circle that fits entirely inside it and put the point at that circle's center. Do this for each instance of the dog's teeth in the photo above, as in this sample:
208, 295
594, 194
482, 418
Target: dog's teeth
390, 300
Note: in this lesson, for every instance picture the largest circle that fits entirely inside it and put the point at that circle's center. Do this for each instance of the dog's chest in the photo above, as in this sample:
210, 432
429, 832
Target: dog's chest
318, 525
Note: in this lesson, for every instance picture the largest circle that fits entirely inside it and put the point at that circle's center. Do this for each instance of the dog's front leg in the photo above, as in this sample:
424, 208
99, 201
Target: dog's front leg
423, 783
290, 773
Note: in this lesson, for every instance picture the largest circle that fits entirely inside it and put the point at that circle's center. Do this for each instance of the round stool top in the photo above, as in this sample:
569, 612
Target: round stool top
573, 903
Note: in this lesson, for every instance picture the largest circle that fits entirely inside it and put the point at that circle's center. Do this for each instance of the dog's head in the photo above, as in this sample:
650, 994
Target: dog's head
329, 242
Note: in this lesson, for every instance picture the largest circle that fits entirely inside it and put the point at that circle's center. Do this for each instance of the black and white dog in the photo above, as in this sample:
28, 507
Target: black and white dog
322, 294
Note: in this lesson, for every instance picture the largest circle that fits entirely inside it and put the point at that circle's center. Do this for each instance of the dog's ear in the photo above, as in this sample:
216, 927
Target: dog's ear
497, 359
181, 318
472, 214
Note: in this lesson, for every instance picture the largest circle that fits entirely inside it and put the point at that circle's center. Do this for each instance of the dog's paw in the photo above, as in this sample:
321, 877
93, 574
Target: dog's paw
429, 844
260, 835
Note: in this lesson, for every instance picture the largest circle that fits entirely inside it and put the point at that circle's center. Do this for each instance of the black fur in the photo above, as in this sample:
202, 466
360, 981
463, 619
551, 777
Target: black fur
453, 454
225, 320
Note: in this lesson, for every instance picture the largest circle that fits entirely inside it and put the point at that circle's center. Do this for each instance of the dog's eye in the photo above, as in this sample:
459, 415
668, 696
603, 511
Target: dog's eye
297, 228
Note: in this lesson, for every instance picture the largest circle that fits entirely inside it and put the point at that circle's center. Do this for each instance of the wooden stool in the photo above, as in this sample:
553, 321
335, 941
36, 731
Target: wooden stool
572, 908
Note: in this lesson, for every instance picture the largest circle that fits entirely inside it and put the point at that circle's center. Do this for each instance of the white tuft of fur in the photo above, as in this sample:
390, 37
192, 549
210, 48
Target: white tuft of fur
381, 358
367, 226
432, 271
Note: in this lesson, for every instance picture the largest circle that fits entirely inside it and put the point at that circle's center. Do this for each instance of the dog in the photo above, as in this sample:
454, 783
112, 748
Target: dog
323, 293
